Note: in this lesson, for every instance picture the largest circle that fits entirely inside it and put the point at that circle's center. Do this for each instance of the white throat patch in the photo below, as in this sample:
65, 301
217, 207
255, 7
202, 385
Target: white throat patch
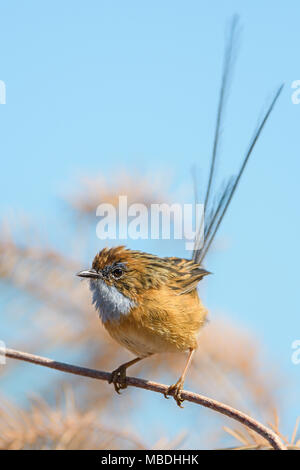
109, 302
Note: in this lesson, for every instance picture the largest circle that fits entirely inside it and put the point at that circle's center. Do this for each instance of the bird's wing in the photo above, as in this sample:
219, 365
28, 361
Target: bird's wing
186, 275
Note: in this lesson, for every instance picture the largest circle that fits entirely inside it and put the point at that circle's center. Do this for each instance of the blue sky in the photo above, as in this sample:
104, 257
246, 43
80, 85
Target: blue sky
98, 86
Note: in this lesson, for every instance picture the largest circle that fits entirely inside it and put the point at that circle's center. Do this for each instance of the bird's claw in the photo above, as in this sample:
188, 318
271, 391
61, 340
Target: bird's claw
118, 378
175, 390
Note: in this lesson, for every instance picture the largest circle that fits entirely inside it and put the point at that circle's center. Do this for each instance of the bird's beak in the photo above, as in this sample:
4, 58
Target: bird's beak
90, 273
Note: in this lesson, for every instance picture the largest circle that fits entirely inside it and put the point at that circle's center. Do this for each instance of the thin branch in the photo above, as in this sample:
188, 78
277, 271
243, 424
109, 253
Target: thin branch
226, 410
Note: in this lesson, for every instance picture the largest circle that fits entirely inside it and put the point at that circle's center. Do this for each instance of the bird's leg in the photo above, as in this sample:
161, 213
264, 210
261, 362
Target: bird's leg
118, 376
178, 386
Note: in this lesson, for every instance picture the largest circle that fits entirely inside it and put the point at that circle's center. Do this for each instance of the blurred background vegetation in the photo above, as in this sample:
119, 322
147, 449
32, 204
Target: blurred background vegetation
51, 314
118, 98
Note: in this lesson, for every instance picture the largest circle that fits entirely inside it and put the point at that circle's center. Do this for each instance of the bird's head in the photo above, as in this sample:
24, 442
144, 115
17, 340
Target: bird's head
119, 276
130, 272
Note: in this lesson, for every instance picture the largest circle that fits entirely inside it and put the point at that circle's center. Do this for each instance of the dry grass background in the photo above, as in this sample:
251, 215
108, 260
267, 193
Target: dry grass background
230, 365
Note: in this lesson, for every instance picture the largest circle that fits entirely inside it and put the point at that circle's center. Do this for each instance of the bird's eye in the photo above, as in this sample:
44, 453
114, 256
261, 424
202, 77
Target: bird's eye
117, 273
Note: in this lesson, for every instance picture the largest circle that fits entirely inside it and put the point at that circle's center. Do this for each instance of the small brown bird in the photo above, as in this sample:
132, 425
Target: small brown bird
149, 304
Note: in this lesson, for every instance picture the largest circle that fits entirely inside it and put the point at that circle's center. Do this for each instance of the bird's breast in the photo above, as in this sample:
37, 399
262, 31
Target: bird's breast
110, 303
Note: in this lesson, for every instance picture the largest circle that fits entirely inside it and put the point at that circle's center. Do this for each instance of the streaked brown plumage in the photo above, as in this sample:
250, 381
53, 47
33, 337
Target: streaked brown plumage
168, 311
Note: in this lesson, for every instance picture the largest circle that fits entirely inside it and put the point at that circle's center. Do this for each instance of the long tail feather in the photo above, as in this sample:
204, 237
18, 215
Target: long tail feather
222, 206
225, 82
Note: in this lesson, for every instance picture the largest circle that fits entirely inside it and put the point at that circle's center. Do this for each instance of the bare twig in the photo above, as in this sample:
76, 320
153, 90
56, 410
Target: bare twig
226, 410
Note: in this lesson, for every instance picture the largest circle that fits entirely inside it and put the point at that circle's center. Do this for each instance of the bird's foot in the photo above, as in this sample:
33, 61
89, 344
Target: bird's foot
118, 378
176, 390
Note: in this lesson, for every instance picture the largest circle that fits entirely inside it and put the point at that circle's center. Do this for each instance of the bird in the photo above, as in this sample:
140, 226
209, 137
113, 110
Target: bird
147, 304
150, 304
